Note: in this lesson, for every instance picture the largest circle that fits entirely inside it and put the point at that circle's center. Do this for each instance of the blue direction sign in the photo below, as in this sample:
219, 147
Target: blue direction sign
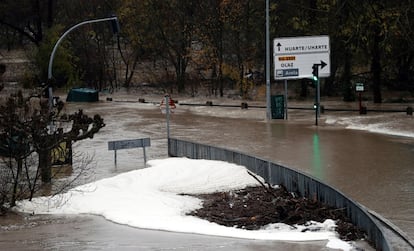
294, 72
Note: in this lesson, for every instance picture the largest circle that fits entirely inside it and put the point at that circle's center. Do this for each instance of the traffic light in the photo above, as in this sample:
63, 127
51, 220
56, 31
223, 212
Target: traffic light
315, 70
115, 25
315, 74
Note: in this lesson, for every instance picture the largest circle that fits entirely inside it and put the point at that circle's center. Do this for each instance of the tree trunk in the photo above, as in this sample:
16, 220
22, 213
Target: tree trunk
45, 166
50, 8
404, 77
38, 32
348, 92
180, 71
376, 67
16, 182
220, 79
220, 58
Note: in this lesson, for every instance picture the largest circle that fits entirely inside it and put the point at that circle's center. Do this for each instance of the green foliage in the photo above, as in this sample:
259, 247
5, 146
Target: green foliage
231, 73
245, 85
64, 64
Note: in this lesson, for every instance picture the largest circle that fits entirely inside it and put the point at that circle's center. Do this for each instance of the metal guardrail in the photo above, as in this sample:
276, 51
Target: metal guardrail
293, 180
408, 110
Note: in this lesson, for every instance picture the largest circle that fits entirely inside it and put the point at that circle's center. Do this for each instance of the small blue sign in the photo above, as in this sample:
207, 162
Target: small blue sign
287, 72
291, 72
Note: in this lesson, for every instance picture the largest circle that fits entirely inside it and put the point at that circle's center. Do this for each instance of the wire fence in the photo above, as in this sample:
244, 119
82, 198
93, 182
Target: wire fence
293, 180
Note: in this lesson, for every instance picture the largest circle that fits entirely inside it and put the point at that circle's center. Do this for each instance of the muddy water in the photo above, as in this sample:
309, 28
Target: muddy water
373, 169
95, 233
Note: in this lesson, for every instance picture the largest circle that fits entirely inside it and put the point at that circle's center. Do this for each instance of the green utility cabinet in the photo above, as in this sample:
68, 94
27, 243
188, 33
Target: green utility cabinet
278, 106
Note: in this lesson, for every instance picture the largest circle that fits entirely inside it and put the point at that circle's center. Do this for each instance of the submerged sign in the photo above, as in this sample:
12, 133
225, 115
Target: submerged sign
295, 56
128, 144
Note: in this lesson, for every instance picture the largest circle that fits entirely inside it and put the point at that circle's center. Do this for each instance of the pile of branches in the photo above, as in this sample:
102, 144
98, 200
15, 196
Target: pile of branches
254, 207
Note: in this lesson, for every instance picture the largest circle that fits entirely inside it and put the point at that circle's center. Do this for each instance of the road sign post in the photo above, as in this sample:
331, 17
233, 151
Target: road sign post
167, 106
302, 57
128, 144
359, 87
268, 89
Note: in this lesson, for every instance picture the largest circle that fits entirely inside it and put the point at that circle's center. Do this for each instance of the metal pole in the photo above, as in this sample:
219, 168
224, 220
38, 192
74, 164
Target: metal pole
316, 111
317, 101
268, 111
145, 157
318, 98
286, 100
52, 55
167, 111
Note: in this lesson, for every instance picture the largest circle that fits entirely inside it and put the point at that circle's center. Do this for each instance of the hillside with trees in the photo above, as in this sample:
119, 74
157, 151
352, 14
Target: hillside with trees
186, 46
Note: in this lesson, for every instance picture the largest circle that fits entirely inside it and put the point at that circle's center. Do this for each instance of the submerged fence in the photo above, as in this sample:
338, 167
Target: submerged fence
293, 180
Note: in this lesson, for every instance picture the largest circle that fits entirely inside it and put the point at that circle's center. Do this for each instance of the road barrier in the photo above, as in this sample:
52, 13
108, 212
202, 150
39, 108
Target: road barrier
293, 180
408, 110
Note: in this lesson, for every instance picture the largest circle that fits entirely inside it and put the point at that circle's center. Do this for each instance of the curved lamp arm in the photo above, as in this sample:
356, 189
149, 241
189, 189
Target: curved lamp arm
52, 55
115, 26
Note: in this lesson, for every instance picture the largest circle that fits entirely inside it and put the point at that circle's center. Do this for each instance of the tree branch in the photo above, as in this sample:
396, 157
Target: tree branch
20, 31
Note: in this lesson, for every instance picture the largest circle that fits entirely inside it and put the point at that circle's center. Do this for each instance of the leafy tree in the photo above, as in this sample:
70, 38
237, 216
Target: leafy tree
365, 33
92, 44
168, 27
245, 39
340, 26
65, 62
211, 35
400, 65
135, 45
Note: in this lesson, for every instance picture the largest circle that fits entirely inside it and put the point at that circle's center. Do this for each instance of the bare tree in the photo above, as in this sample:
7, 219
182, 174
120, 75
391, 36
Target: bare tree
27, 18
30, 131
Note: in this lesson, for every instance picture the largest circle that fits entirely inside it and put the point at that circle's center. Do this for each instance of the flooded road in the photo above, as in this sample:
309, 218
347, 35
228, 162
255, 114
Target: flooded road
373, 169
95, 233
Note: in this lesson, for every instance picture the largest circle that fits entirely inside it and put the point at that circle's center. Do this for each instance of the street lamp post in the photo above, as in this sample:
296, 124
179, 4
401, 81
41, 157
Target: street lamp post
115, 26
268, 112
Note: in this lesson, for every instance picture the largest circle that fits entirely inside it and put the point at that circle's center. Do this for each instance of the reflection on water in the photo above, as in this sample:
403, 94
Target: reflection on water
317, 170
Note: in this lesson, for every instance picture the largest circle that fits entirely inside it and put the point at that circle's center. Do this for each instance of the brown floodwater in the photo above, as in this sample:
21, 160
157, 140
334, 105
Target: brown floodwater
96, 233
373, 169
